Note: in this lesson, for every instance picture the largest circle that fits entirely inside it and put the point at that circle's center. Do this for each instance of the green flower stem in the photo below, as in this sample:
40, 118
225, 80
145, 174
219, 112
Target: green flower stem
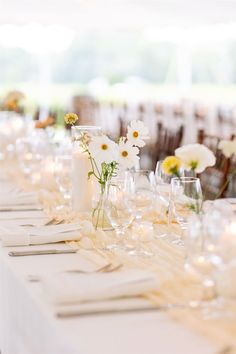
226, 184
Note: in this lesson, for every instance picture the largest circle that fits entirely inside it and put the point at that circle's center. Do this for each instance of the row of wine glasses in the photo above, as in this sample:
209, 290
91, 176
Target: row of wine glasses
130, 199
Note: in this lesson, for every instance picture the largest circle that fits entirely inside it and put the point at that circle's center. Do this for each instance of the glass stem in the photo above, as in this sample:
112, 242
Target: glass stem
209, 289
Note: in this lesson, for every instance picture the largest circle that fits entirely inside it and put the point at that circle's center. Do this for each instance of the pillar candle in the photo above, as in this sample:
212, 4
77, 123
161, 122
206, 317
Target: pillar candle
83, 188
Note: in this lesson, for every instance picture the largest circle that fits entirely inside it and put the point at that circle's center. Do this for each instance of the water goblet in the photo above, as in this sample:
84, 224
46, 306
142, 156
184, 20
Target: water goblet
209, 254
119, 210
143, 192
163, 203
186, 199
142, 200
63, 171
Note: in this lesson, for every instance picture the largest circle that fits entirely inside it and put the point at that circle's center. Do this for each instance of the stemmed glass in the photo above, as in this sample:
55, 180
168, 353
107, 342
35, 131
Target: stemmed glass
209, 244
186, 199
119, 209
142, 200
143, 192
63, 172
163, 188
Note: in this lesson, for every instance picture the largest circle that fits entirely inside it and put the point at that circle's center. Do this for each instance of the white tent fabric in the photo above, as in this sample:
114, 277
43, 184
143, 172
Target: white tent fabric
82, 14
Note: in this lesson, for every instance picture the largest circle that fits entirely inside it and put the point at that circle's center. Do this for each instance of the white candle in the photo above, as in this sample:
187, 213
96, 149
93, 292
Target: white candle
83, 189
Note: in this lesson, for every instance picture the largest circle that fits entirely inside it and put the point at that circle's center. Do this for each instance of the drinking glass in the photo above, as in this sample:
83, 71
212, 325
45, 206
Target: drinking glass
208, 253
142, 199
118, 209
163, 187
143, 192
63, 172
186, 198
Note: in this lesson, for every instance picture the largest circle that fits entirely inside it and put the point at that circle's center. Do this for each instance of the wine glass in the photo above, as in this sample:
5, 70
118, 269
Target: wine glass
143, 192
119, 209
142, 198
63, 175
208, 253
163, 183
186, 199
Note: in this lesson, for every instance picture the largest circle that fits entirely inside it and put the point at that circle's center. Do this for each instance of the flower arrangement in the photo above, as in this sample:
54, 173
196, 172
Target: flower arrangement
43, 124
191, 157
106, 156
13, 102
194, 158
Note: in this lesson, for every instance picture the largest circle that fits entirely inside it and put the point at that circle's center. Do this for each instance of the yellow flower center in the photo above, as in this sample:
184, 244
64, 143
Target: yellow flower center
124, 153
104, 147
135, 134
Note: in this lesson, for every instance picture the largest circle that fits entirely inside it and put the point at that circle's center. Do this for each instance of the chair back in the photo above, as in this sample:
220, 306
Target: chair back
214, 178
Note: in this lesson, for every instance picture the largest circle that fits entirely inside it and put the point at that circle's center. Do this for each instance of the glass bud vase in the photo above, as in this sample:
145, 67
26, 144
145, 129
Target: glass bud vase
99, 218
83, 189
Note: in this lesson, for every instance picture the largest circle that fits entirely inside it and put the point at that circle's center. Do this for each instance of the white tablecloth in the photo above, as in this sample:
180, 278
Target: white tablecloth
28, 324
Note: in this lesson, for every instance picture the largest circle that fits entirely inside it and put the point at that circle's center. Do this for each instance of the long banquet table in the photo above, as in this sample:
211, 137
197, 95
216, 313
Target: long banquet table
28, 324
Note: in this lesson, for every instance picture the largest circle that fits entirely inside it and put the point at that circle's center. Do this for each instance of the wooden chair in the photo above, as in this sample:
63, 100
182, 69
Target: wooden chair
226, 121
200, 116
214, 178
167, 141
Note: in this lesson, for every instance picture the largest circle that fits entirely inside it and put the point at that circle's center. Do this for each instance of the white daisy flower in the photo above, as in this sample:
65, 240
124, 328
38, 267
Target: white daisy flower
137, 133
195, 157
103, 149
127, 154
228, 147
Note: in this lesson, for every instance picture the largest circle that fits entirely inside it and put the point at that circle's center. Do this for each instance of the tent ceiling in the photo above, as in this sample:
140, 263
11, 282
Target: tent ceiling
82, 14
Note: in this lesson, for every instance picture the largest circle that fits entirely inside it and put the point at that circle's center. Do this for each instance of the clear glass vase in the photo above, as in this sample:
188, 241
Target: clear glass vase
99, 217
83, 188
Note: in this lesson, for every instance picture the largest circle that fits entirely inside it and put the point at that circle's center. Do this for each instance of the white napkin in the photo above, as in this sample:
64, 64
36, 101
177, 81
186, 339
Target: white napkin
18, 199
70, 288
22, 215
24, 236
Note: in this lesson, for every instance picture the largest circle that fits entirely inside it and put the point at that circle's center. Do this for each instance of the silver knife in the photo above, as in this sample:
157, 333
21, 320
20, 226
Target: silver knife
82, 313
41, 252
20, 209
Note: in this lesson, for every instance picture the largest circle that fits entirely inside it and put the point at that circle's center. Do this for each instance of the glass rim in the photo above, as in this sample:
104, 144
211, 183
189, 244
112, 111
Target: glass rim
185, 179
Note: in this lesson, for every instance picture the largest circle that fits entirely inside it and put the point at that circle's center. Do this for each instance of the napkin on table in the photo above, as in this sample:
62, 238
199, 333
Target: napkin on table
36, 235
18, 199
67, 288
27, 216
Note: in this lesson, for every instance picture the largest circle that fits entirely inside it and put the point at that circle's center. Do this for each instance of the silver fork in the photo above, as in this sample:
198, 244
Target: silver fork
55, 221
108, 268
50, 222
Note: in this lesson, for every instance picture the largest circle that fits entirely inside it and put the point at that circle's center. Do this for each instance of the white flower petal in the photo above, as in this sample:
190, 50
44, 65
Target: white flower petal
228, 147
198, 154
103, 149
137, 133
127, 154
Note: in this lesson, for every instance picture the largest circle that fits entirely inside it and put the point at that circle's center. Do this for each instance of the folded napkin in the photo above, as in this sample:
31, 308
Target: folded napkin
8, 188
24, 236
18, 199
67, 288
22, 215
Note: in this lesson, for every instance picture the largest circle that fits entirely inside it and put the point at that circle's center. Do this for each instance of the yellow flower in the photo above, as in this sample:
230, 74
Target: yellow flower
171, 165
71, 118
